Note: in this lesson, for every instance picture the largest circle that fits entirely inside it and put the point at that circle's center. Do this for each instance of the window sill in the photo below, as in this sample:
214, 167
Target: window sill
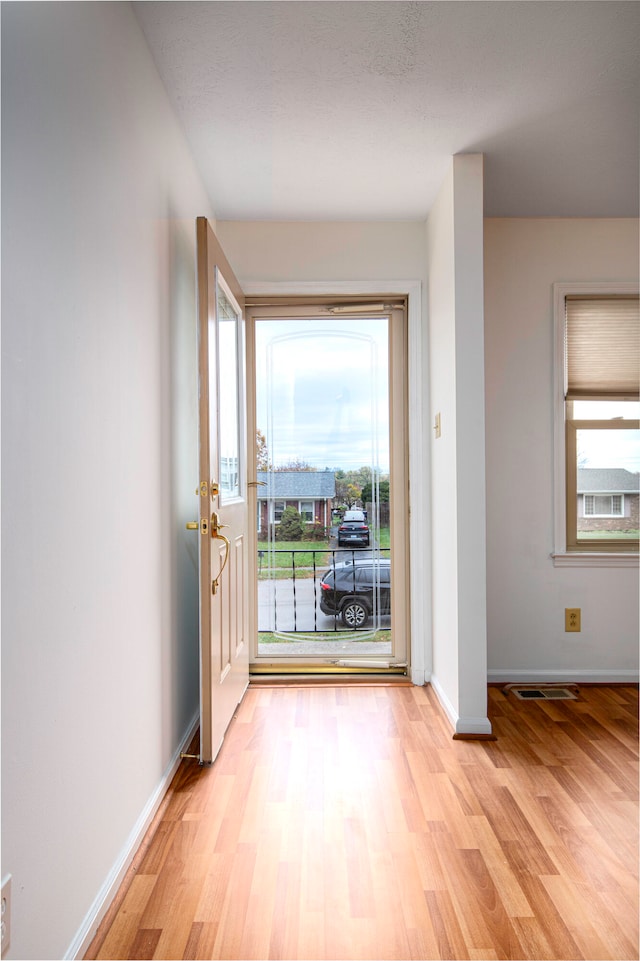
593, 559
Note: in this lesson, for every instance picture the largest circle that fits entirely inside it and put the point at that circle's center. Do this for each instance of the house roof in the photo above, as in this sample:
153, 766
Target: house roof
594, 480
285, 484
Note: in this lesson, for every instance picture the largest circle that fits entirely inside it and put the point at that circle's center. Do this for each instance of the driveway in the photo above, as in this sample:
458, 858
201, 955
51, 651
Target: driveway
288, 605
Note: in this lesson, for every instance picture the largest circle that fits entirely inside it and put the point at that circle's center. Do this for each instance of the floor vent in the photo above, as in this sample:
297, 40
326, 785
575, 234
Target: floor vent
544, 693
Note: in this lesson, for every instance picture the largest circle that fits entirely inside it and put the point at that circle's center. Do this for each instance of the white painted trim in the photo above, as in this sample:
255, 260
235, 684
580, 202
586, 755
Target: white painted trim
560, 292
460, 725
419, 677
473, 725
559, 448
590, 559
418, 426
563, 677
320, 288
106, 894
419, 429
445, 703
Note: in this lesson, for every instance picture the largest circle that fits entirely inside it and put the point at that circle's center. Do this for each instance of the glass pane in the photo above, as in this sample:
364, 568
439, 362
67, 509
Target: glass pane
608, 483
322, 405
229, 424
606, 410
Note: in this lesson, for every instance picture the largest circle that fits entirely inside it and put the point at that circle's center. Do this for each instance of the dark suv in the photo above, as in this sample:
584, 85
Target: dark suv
354, 529
355, 589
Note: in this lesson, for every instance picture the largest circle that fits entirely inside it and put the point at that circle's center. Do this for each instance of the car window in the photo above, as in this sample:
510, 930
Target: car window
365, 576
347, 578
370, 576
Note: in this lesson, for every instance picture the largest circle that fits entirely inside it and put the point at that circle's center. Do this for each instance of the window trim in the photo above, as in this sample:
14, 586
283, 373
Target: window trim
273, 502
612, 514
564, 556
308, 500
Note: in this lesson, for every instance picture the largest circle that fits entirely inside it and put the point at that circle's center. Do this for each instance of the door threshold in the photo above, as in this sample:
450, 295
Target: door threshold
306, 678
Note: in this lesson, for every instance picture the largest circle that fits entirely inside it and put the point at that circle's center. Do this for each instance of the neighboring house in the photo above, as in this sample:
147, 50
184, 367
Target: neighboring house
607, 499
310, 492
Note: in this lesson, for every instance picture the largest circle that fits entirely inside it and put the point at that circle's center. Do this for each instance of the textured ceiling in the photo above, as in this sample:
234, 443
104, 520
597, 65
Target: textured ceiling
352, 110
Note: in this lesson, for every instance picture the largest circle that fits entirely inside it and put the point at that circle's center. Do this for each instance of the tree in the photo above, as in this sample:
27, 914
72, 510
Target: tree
296, 465
350, 484
352, 495
347, 488
291, 526
262, 452
383, 491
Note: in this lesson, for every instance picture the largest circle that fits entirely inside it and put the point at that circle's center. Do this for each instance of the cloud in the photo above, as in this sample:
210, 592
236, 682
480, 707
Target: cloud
322, 391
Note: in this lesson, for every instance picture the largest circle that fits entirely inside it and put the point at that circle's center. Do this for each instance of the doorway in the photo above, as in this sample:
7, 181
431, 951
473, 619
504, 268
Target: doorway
327, 422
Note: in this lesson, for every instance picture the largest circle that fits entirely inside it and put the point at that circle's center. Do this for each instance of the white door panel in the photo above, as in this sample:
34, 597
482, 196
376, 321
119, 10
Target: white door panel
224, 648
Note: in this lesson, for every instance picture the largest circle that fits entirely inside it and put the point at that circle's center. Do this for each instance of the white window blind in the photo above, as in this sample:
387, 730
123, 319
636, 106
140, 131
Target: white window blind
602, 354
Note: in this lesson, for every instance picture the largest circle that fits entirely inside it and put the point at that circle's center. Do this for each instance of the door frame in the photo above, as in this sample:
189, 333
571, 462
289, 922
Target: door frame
418, 430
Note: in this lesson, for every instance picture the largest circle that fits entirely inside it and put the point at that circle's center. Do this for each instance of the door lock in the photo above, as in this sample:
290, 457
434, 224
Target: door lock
203, 526
216, 525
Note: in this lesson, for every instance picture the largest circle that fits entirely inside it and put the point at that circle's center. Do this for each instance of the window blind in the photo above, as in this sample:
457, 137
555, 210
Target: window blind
602, 347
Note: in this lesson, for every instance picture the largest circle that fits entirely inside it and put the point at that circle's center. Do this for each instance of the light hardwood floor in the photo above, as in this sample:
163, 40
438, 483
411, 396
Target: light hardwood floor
344, 822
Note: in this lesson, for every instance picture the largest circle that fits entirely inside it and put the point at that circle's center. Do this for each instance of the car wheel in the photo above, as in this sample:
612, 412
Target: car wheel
355, 614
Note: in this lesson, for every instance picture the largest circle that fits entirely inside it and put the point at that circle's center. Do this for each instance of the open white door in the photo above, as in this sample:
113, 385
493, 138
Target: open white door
222, 487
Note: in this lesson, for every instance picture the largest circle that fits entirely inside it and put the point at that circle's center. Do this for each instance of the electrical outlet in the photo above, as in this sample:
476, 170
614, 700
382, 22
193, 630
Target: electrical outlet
6, 914
572, 619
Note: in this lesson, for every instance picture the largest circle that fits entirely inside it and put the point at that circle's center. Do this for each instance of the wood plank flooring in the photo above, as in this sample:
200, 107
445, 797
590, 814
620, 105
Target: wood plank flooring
344, 822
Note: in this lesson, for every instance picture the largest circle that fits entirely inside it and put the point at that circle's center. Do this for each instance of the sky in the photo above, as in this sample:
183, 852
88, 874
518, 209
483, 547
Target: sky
323, 398
608, 448
322, 391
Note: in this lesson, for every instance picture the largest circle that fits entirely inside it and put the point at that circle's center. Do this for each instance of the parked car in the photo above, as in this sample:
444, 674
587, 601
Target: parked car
356, 589
354, 529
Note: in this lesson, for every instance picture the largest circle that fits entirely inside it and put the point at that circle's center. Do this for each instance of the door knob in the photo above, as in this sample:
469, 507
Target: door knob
220, 537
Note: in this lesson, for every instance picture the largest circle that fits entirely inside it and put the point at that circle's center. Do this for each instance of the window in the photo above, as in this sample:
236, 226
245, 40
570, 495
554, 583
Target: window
305, 509
603, 505
597, 338
278, 511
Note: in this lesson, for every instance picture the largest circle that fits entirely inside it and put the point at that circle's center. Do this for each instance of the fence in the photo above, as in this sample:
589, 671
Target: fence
289, 587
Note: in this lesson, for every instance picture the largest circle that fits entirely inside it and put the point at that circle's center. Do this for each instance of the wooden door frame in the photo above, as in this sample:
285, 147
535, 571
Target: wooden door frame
418, 429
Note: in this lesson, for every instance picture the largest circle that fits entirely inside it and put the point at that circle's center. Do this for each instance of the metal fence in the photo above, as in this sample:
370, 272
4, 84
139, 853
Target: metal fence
289, 587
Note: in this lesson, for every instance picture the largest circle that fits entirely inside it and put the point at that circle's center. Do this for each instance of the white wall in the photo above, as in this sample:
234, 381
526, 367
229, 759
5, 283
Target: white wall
456, 383
442, 391
526, 593
99, 458
292, 252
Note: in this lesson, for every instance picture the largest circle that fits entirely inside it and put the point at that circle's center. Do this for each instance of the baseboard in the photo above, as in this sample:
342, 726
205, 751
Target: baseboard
420, 677
562, 677
461, 725
100, 906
